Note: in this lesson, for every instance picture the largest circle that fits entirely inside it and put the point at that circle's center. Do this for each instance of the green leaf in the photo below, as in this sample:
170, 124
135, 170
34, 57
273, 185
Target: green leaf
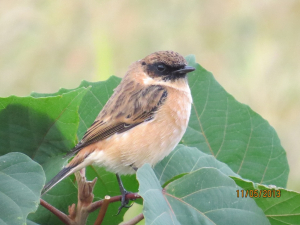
233, 133
183, 160
29, 222
43, 128
21, 183
204, 196
280, 206
92, 102
156, 209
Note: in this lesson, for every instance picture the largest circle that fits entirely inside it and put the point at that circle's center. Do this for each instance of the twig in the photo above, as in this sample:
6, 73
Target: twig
85, 198
103, 210
78, 215
91, 208
60, 215
134, 220
97, 204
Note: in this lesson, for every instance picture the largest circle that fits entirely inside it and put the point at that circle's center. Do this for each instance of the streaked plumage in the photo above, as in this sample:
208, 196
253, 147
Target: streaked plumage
143, 120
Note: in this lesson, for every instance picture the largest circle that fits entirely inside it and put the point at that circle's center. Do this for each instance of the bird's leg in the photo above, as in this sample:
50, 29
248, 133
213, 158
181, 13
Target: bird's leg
133, 167
124, 202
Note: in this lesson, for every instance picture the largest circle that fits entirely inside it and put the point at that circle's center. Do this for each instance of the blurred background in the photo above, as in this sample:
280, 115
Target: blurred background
251, 47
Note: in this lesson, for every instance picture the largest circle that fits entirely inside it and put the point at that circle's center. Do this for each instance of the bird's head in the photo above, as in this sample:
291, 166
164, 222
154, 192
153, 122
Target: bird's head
166, 66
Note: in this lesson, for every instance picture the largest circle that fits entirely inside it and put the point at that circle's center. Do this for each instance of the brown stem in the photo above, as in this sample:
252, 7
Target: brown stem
91, 208
134, 220
103, 210
60, 215
97, 204
78, 215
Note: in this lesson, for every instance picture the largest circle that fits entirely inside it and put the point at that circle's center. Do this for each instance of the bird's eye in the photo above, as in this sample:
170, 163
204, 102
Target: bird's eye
161, 67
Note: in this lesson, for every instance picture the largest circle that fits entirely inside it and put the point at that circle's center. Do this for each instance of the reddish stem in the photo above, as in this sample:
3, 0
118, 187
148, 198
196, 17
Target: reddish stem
97, 204
60, 215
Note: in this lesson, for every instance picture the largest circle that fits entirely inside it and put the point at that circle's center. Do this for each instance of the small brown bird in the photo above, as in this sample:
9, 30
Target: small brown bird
142, 122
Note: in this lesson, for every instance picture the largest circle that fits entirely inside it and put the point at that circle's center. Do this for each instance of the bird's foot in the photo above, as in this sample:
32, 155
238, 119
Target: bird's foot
124, 201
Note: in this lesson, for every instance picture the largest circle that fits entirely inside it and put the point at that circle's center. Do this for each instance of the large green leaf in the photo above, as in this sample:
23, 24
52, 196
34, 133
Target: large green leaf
29, 222
156, 209
92, 102
233, 133
280, 206
22, 180
41, 128
183, 160
44, 128
204, 196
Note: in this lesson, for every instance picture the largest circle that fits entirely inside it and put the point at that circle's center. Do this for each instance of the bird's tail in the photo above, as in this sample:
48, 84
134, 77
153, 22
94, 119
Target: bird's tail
66, 171
80, 161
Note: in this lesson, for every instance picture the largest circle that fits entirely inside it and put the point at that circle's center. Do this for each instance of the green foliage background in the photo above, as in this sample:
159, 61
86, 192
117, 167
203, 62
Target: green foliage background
251, 47
226, 147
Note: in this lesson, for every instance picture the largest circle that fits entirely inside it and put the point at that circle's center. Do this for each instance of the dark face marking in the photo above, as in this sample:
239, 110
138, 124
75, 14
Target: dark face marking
160, 69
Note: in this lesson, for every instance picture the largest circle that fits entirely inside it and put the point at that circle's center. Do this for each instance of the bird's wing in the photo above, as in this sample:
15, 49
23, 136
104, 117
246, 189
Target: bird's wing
127, 108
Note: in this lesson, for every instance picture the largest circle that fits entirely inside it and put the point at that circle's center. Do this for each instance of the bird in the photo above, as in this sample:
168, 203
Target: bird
142, 122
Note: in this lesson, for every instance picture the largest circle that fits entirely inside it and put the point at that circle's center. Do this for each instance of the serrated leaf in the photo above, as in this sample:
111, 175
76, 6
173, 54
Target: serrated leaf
280, 206
233, 133
204, 196
22, 180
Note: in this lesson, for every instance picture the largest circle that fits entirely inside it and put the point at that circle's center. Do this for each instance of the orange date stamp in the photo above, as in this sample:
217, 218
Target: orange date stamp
258, 193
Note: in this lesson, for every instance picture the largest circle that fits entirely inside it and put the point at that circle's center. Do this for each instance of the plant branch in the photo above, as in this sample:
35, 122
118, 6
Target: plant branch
60, 215
78, 215
97, 204
134, 220
103, 210
92, 207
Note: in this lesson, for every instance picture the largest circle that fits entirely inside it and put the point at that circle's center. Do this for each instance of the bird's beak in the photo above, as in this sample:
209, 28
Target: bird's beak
184, 70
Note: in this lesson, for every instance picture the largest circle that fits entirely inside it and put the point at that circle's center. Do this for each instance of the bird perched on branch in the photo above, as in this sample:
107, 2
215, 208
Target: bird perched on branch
142, 122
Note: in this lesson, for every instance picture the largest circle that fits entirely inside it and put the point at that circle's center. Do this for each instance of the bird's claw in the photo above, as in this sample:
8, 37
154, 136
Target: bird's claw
124, 201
